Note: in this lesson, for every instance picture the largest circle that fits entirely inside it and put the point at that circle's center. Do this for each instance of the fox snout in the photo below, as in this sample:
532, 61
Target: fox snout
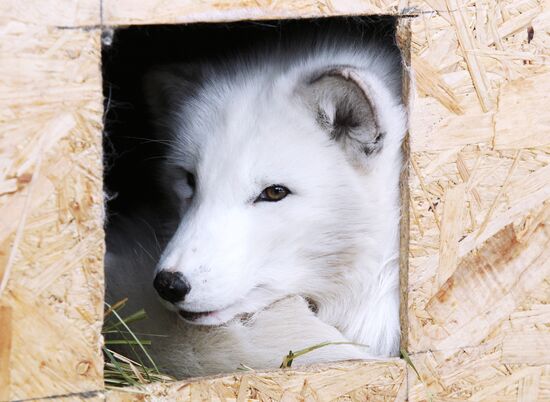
171, 286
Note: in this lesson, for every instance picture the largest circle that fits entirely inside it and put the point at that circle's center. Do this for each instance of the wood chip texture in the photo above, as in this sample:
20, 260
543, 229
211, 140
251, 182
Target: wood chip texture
51, 239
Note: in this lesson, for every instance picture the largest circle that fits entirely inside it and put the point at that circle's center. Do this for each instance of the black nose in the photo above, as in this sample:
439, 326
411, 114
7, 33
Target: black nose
171, 286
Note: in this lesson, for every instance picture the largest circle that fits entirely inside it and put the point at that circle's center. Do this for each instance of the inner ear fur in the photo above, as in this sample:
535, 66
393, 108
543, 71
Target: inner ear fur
343, 105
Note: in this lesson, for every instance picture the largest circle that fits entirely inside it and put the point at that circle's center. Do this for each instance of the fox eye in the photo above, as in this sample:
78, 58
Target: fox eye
273, 193
191, 180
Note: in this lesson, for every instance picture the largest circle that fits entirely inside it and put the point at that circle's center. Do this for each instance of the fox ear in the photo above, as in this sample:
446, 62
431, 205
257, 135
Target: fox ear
343, 105
166, 87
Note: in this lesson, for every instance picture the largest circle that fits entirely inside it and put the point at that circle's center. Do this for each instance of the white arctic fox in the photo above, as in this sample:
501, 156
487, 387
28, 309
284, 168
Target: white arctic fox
285, 163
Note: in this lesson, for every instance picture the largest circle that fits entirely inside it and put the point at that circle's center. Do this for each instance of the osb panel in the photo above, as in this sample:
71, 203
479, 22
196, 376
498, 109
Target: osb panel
122, 12
477, 375
51, 239
352, 381
64, 13
479, 278
512, 362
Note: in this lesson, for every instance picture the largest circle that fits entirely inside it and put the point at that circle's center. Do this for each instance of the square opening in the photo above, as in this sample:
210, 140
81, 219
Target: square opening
141, 215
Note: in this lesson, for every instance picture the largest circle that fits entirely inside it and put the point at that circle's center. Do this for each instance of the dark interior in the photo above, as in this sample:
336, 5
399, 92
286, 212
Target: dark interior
131, 152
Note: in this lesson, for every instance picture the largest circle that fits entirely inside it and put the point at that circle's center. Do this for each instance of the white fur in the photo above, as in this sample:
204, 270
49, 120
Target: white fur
184, 350
334, 240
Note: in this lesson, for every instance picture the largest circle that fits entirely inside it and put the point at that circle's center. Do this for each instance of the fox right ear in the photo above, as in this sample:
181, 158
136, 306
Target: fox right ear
166, 87
344, 106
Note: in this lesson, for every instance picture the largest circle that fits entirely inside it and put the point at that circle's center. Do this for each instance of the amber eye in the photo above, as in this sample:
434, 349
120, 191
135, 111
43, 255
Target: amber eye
273, 193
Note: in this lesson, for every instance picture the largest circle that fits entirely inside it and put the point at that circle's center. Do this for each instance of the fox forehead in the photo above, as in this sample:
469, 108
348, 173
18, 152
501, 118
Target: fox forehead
245, 120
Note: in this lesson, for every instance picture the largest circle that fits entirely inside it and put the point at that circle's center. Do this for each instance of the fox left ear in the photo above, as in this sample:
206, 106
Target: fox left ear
343, 105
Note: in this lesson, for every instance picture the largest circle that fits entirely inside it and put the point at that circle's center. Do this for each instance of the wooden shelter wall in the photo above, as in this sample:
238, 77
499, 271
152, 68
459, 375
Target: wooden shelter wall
51, 214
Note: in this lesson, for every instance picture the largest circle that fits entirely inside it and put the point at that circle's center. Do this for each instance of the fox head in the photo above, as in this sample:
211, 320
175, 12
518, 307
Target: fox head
285, 179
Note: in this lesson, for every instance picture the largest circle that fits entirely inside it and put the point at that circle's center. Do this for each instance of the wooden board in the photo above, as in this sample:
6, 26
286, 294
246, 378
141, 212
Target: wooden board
352, 381
51, 238
479, 278
126, 12
61, 13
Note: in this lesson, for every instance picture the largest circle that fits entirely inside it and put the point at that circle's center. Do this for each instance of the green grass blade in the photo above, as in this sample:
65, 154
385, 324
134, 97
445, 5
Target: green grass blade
119, 368
288, 359
133, 345
127, 342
